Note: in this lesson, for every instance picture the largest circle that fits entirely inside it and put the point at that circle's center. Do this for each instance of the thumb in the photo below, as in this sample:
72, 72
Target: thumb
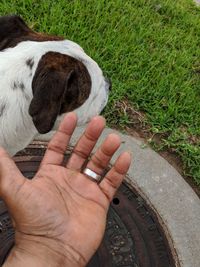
11, 178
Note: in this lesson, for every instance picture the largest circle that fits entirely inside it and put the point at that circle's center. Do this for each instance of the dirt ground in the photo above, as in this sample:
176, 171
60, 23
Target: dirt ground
139, 129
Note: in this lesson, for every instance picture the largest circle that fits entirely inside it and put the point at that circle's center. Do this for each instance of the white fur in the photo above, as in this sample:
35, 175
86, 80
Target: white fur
16, 127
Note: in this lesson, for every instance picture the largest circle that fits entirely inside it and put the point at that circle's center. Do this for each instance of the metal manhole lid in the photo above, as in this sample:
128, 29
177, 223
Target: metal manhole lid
133, 236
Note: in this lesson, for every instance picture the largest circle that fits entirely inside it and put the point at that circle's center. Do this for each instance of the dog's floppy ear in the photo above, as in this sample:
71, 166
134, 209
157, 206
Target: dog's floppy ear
49, 88
60, 84
12, 28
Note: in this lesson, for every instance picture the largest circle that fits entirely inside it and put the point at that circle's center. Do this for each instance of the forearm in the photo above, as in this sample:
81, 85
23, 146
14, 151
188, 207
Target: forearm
21, 259
39, 255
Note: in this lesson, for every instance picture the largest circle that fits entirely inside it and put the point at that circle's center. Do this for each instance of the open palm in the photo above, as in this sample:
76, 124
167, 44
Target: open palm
61, 209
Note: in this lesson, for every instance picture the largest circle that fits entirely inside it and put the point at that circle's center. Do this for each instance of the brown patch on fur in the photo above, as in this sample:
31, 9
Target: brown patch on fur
13, 30
61, 84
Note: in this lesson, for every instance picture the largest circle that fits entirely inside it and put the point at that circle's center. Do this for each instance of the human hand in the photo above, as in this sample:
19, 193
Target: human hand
59, 216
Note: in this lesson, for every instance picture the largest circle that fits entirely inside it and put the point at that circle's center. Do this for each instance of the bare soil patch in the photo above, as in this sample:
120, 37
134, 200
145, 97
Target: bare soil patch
139, 128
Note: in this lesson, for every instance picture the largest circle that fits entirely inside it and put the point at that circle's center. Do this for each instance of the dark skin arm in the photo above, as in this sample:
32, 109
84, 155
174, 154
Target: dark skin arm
59, 216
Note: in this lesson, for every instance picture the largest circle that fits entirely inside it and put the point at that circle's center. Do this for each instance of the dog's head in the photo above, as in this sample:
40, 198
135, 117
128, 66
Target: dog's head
64, 79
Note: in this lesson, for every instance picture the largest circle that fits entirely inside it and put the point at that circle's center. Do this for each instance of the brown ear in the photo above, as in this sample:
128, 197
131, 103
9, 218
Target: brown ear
49, 88
11, 29
60, 84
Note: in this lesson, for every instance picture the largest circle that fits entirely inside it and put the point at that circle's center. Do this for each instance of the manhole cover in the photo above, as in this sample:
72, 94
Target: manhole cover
133, 237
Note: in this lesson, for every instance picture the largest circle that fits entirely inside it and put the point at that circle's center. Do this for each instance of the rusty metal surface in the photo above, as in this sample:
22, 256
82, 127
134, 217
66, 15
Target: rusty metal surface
133, 236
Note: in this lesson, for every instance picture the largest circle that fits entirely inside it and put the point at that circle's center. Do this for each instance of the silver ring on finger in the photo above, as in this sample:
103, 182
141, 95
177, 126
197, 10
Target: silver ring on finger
92, 175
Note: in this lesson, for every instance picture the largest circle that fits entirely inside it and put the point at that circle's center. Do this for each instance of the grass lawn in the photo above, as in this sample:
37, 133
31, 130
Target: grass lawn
151, 51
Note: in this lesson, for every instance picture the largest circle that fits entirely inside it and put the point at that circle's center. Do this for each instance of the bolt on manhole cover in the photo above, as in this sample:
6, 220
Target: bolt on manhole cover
133, 237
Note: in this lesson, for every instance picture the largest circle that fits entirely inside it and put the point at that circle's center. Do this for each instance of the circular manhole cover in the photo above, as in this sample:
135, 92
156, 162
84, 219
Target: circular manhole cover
133, 237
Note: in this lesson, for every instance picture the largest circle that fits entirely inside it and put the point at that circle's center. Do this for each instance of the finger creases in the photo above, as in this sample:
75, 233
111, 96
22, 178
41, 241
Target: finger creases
86, 143
115, 175
101, 158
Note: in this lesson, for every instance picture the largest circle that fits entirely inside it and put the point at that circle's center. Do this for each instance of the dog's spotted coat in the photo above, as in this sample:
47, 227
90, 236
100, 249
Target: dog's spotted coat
41, 78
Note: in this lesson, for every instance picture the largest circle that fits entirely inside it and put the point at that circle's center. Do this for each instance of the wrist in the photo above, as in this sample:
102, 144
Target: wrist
35, 253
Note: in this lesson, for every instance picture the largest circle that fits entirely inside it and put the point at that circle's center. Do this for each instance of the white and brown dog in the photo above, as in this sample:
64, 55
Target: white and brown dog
41, 78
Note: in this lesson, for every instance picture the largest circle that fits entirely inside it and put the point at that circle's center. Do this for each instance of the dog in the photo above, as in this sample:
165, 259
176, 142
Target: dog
42, 77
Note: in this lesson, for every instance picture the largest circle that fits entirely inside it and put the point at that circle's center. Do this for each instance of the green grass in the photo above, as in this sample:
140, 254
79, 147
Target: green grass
150, 49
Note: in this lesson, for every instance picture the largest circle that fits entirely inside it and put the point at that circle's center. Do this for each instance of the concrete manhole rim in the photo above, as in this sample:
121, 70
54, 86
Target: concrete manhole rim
166, 232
